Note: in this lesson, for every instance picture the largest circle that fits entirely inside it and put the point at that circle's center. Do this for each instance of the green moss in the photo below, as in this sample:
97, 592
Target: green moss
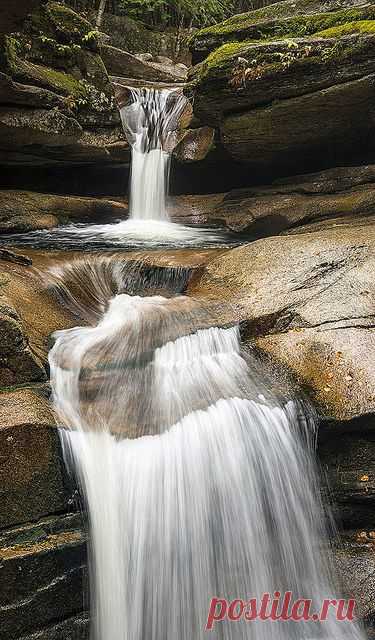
243, 27
362, 26
66, 23
235, 63
42, 76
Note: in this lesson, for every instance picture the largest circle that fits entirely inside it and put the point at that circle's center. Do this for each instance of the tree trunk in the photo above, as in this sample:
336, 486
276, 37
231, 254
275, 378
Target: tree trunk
99, 18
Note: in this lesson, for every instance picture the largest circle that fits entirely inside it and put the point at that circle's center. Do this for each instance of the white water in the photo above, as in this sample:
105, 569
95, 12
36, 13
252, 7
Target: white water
198, 481
151, 121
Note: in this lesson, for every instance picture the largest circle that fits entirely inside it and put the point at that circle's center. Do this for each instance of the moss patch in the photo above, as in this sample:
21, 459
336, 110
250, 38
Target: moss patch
57, 50
243, 27
362, 26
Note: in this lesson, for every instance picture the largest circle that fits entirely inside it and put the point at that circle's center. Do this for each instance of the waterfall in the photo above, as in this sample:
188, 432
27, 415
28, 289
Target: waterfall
150, 120
199, 480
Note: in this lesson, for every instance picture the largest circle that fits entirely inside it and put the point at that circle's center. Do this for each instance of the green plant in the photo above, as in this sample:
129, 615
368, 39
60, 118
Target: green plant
178, 13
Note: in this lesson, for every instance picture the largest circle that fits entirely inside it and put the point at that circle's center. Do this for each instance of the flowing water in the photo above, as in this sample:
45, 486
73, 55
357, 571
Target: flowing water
151, 120
199, 480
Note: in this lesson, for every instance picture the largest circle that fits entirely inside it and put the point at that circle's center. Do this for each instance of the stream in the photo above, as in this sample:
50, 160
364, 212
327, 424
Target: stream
198, 477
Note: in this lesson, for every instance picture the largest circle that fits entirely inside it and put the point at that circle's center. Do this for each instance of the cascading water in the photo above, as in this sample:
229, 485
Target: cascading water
150, 121
198, 481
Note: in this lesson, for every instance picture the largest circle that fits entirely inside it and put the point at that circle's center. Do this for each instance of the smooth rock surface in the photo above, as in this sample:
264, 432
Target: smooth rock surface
344, 194
25, 210
119, 62
32, 478
307, 301
42, 568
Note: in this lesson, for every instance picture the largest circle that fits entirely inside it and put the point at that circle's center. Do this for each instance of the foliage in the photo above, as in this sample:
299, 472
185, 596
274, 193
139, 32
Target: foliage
173, 13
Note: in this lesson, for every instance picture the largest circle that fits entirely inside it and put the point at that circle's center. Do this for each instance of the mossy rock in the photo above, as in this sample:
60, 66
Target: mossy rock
63, 24
242, 76
254, 26
57, 50
362, 26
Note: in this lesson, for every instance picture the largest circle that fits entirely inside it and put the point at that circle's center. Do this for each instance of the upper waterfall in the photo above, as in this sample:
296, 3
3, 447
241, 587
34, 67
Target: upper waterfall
150, 120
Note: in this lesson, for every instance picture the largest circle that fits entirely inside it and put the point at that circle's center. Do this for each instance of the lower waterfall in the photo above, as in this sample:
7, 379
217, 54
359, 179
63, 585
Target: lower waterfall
199, 481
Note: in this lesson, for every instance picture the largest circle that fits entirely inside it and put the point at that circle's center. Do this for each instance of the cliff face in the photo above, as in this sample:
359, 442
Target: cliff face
271, 81
56, 101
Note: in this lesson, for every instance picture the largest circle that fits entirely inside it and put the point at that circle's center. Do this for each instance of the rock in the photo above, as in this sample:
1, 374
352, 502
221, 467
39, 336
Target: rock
24, 296
344, 195
15, 93
289, 17
18, 363
25, 210
43, 578
307, 301
33, 481
76, 628
195, 145
356, 566
290, 132
144, 57
272, 75
121, 63
347, 460
24, 127
12, 256
246, 76
163, 60
12, 16
55, 93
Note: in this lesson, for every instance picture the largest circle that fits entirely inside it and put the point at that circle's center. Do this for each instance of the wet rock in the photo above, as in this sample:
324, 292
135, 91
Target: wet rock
12, 256
356, 567
32, 478
307, 301
195, 145
347, 459
18, 363
25, 210
76, 628
42, 567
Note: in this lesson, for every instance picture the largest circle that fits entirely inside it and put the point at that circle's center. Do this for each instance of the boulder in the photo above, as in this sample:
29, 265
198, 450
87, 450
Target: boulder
290, 132
269, 78
144, 57
289, 17
121, 63
33, 481
307, 301
12, 16
43, 578
56, 94
195, 144
22, 211
18, 363
344, 195
356, 567
347, 461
